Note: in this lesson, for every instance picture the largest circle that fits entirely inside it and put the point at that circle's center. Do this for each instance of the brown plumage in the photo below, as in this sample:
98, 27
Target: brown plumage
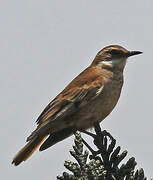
90, 97
27, 150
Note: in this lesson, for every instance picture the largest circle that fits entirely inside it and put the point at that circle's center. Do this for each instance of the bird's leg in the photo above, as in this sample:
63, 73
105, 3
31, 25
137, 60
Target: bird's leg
97, 127
101, 142
87, 145
88, 133
98, 140
101, 133
94, 153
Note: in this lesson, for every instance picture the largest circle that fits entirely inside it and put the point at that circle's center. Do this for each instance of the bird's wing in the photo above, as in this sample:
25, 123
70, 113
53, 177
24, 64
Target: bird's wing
78, 93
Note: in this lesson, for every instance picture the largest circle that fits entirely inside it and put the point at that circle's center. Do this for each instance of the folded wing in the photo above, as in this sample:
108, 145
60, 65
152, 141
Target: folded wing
77, 94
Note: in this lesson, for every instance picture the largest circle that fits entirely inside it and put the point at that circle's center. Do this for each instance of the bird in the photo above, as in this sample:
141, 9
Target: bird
89, 98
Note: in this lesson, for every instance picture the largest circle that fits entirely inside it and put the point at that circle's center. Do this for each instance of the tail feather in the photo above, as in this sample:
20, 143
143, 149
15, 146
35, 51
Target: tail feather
27, 150
56, 137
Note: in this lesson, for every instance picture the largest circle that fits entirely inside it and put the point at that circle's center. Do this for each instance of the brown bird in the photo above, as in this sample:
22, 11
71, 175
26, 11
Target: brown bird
89, 98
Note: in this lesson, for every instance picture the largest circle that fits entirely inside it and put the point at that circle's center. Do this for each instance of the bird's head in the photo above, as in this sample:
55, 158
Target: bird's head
113, 57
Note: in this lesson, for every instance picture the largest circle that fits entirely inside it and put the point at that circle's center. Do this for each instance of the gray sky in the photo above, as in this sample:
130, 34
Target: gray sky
43, 46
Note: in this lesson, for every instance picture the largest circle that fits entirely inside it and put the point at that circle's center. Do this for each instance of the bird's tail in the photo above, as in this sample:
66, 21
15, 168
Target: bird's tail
27, 150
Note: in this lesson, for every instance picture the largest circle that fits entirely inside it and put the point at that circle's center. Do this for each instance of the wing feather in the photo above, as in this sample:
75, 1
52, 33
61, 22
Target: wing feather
70, 100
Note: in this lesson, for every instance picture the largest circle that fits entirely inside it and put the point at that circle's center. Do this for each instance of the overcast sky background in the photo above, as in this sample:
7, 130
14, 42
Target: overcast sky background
43, 46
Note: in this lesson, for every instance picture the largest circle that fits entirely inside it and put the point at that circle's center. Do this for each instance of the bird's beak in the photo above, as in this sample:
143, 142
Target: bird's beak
132, 53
